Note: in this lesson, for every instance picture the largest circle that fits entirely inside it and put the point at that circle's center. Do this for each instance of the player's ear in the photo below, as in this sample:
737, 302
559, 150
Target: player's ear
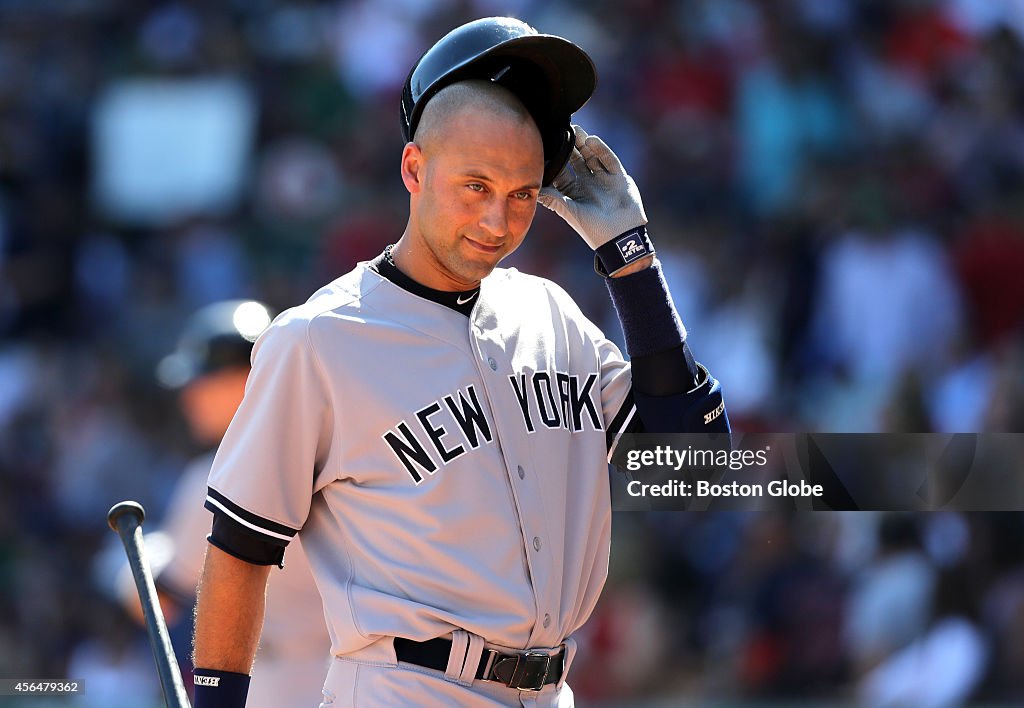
412, 167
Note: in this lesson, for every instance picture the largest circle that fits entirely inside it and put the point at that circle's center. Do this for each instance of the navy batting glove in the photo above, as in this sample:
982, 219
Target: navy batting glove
219, 689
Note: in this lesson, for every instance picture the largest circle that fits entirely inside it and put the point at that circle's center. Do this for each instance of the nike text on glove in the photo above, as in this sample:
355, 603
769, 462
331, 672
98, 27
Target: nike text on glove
595, 196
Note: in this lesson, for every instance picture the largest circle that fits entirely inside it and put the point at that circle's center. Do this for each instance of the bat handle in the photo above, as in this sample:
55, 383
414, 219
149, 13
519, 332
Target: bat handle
126, 519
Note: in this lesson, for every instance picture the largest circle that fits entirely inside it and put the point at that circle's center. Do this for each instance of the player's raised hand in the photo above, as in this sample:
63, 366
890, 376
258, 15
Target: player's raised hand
594, 194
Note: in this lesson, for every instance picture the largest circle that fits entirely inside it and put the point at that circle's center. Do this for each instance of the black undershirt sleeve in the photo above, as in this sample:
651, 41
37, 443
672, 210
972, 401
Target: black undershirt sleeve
235, 539
664, 373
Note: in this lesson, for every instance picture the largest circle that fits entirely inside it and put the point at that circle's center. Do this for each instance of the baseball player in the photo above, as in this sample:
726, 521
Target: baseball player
437, 429
209, 369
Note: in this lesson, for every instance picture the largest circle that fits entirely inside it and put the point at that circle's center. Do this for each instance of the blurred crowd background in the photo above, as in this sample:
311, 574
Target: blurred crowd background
835, 187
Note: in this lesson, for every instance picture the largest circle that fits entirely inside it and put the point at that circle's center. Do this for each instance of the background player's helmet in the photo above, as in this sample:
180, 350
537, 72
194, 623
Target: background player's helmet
550, 75
215, 337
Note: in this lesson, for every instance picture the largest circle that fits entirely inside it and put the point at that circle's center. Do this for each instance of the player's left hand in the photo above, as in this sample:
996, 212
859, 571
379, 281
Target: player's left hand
593, 194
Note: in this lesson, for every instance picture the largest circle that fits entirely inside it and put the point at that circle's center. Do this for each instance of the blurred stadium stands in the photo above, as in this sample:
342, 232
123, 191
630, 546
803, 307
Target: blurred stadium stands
837, 191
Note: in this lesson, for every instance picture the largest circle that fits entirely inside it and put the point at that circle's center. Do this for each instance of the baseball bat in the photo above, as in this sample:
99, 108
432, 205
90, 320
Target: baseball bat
126, 519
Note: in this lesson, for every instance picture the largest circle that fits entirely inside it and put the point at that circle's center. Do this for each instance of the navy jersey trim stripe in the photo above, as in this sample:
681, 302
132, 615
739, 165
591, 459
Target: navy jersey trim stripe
217, 502
625, 421
626, 411
625, 428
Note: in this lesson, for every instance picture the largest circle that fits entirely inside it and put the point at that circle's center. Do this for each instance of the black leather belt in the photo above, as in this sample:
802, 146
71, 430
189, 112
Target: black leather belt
526, 671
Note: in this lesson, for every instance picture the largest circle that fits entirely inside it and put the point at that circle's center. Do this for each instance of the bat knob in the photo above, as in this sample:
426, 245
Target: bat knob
125, 508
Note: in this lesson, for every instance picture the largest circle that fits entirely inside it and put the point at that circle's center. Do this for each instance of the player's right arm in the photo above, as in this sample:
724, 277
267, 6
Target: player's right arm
229, 619
229, 612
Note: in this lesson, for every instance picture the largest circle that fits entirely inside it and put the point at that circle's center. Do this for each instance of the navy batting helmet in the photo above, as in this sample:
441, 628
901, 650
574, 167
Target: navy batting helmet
215, 337
551, 76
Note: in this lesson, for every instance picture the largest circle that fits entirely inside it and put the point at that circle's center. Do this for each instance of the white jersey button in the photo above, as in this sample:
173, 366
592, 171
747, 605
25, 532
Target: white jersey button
521, 471
492, 363
536, 543
547, 621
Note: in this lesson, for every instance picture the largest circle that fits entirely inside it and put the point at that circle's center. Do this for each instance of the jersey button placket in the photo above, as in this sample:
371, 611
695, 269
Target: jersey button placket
526, 490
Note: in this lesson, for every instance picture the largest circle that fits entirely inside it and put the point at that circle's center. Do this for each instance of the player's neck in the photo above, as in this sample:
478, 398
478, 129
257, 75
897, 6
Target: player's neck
413, 258
462, 302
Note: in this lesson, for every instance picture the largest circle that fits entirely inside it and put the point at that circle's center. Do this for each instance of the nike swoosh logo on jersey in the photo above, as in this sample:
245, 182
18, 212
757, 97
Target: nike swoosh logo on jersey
460, 301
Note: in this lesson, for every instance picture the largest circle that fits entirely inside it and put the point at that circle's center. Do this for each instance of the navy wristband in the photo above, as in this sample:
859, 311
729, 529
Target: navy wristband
646, 312
622, 250
219, 689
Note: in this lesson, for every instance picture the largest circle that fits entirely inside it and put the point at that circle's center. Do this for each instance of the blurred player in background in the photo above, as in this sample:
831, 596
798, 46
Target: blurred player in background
209, 369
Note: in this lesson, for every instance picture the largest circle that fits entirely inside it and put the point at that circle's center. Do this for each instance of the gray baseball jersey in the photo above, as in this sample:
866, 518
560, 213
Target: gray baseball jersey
445, 472
293, 657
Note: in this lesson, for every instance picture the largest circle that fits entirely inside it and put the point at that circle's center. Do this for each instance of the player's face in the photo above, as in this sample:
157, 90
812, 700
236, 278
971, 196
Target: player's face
476, 198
